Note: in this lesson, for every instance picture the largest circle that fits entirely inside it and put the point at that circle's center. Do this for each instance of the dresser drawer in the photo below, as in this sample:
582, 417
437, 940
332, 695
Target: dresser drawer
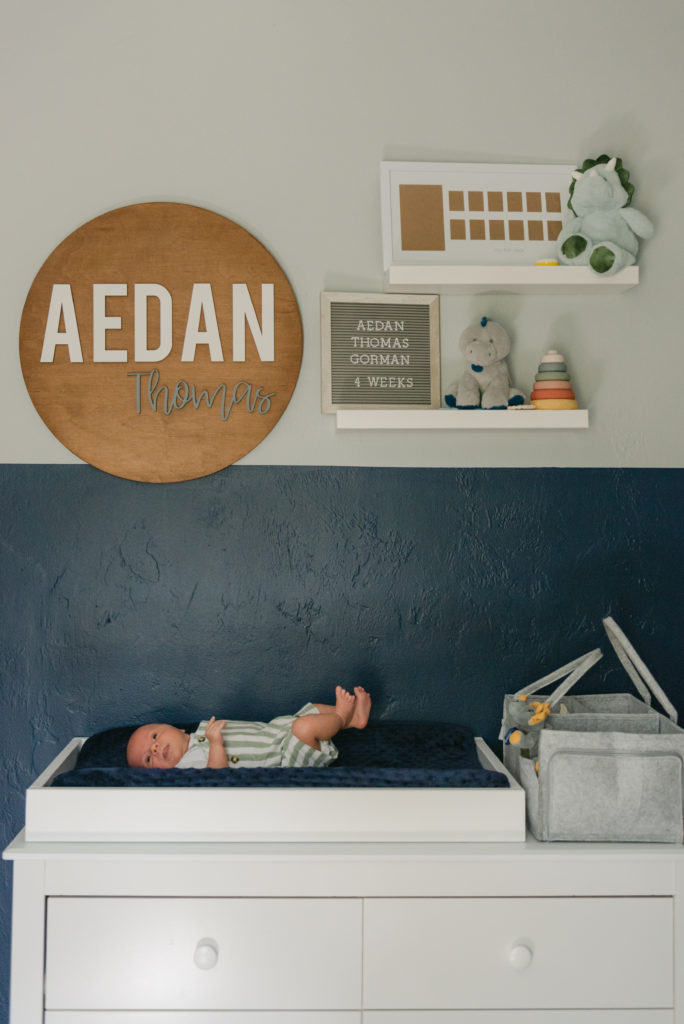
518, 953
203, 954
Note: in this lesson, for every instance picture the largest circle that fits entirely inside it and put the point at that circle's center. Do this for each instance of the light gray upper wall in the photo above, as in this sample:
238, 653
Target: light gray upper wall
277, 113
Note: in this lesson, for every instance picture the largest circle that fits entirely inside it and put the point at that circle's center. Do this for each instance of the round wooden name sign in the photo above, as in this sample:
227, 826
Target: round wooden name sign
160, 342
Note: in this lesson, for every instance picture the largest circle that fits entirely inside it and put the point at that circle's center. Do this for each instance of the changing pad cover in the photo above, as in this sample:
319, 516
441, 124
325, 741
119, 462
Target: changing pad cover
385, 754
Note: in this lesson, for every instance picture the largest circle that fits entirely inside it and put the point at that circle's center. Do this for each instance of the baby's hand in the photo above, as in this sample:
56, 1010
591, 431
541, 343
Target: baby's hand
213, 730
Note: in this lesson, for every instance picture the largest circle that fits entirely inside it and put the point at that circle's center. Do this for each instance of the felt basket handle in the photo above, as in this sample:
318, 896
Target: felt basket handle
635, 668
574, 670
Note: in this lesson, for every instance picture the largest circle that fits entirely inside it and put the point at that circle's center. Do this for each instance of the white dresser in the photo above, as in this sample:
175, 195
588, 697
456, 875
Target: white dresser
435, 933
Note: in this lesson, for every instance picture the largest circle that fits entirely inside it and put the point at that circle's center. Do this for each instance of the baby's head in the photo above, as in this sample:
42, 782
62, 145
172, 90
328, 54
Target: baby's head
156, 746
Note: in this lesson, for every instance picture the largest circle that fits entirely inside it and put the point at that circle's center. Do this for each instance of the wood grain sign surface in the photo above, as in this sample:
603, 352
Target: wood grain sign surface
160, 342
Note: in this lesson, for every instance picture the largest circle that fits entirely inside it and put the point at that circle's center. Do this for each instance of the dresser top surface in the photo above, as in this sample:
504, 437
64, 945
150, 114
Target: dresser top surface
530, 849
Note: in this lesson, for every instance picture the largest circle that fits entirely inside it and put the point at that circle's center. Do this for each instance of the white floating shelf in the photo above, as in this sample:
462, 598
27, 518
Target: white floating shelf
462, 419
467, 280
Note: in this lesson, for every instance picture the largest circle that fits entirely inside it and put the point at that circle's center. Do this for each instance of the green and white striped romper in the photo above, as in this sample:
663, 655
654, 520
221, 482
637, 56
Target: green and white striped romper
261, 745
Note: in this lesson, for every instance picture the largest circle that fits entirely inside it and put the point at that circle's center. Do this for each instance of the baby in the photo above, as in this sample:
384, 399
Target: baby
300, 740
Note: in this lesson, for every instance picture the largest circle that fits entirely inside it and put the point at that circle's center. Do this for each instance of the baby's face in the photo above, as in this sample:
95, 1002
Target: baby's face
156, 746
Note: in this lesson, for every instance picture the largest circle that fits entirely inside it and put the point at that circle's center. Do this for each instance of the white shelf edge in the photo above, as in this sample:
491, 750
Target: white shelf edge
469, 280
462, 419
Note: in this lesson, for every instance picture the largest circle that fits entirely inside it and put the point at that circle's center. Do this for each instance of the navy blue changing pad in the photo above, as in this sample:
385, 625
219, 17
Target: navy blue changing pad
385, 754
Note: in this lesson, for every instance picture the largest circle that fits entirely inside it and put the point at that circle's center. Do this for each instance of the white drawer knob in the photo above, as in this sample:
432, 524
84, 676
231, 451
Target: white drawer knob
520, 957
206, 954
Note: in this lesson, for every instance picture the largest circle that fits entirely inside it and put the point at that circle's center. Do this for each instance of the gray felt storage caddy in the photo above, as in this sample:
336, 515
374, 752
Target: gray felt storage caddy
597, 767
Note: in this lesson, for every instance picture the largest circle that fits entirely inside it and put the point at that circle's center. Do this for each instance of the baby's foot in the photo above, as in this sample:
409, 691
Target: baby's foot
362, 706
344, 705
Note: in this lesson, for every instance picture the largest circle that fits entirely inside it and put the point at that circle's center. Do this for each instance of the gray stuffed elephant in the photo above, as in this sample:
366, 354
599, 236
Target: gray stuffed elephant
486, 383
526, 719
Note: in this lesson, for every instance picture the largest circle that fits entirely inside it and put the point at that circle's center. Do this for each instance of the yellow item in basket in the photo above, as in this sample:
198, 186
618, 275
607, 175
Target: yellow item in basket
542, 710
555, 403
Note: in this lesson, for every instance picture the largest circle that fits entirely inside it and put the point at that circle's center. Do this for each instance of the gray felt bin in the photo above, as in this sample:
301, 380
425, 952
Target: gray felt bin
597, 767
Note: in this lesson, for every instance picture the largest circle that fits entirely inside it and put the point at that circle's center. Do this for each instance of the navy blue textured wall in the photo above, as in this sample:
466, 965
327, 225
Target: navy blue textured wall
248, 592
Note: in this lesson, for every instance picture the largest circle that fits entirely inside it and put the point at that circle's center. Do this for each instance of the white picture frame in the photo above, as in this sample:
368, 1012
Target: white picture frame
478, 214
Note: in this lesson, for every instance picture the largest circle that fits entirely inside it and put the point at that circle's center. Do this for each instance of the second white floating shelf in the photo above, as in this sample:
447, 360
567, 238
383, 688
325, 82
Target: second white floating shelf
462, 419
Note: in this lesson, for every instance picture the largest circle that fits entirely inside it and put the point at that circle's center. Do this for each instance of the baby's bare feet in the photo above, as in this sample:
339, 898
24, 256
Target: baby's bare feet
362, 708
344, 705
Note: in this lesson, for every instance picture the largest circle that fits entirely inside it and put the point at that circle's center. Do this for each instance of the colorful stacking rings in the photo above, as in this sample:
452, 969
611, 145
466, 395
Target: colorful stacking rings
552, 386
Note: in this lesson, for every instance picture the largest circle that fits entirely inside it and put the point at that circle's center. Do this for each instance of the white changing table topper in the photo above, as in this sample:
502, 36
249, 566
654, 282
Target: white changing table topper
148, 814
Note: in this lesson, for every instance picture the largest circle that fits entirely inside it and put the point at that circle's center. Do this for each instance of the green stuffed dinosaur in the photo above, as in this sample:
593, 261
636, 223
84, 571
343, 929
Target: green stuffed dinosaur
603, 231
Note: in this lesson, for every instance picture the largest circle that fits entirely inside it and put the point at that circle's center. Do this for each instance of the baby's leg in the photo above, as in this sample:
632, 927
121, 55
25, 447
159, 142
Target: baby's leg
343, 706
354, 710
349, 712
311, 729
362, 707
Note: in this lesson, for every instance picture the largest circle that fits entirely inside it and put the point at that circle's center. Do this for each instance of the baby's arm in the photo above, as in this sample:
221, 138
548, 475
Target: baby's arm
217, 753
